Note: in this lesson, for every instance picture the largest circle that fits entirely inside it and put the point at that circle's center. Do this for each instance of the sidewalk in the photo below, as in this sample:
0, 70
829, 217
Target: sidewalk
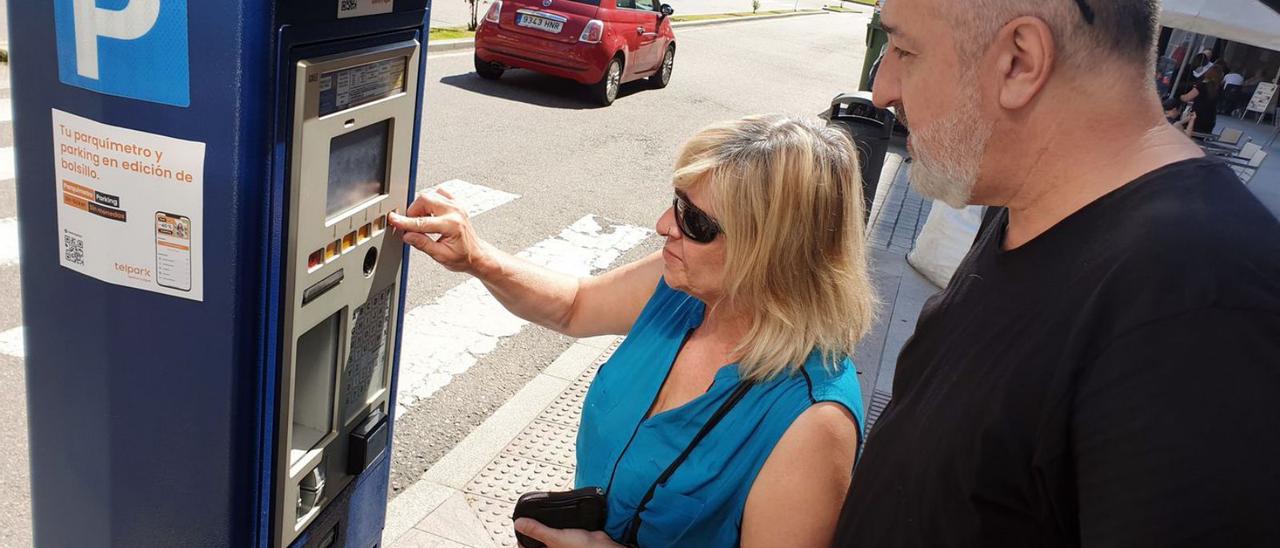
466, 498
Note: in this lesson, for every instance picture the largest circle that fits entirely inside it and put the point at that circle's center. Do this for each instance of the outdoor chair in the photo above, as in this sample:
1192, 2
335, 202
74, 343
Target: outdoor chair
1229, 137
1246, 170
1245, 153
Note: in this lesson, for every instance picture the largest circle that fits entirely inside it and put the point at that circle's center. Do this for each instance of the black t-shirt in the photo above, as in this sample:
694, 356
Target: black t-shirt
1113, 382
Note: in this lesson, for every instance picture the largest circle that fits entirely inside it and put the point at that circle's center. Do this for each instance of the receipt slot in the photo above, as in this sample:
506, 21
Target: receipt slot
212, 294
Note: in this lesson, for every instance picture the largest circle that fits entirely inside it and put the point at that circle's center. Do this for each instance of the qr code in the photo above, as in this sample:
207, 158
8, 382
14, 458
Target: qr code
347, 5
73, 248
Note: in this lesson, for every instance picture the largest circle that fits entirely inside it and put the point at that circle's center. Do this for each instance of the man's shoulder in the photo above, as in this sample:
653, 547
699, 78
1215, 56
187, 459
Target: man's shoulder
1195, 237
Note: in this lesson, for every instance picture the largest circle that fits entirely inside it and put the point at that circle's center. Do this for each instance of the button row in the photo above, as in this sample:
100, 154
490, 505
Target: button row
349, 242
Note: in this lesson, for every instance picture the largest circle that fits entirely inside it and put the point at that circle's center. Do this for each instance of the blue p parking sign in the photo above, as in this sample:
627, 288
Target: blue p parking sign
129, 48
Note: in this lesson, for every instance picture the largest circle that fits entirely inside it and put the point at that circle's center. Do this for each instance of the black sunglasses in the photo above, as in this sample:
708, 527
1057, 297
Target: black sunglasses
1086, 11
695, 224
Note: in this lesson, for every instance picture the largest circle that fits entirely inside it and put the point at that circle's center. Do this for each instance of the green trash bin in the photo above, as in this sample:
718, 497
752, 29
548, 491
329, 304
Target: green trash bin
876, 40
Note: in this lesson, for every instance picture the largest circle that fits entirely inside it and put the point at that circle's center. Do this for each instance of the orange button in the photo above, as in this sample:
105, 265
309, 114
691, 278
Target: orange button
316, 259
348, 242
331, 251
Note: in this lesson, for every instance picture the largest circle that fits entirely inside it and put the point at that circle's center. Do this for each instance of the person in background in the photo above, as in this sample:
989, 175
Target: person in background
1204, 98
752, 307
1202, 63
1103, 368
1232, 84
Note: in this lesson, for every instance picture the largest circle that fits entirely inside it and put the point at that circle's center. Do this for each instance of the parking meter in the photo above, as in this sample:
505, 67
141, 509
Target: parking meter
211, 292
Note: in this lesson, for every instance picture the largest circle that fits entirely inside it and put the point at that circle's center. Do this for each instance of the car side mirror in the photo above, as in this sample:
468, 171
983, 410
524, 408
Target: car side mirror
667, 10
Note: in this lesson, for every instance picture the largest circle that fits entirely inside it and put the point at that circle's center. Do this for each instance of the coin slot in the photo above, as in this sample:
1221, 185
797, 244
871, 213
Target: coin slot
370, 261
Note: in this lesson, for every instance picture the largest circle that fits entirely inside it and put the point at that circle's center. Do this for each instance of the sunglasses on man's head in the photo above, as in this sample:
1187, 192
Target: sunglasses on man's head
694, 223
1085, 11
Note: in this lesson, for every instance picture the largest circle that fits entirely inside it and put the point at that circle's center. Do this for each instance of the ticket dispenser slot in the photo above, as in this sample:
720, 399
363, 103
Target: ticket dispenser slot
350, 165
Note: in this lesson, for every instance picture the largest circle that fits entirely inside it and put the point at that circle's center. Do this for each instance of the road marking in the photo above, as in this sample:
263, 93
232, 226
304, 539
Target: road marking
6, 163
477, 199
6, 110
447, 337
11, 343
8, 242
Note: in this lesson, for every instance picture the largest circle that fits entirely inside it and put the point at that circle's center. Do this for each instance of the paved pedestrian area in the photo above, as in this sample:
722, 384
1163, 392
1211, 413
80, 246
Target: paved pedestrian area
467, 497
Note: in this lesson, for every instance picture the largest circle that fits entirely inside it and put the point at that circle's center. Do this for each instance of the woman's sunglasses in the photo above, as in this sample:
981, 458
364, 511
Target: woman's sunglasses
695, 224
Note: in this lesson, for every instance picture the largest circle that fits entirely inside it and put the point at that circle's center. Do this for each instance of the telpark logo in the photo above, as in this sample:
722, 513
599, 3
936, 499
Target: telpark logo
131, 48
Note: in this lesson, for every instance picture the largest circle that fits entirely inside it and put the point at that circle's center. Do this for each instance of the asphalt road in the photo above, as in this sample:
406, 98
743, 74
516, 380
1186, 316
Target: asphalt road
541, 139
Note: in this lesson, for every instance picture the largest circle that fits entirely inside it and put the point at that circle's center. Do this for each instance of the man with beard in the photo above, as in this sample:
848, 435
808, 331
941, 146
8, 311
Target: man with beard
1104, 367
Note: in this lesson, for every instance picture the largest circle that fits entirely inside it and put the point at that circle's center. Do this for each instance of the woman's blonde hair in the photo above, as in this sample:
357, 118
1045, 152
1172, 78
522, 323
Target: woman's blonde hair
788, 195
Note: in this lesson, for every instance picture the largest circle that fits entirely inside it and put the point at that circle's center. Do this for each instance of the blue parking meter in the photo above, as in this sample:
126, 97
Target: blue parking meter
212, 295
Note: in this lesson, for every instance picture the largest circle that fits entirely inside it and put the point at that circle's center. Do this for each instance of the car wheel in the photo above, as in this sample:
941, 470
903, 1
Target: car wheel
661, 78
606, 90
487, 70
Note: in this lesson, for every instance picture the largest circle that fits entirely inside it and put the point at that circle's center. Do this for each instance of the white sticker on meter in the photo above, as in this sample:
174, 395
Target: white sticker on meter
130, 206
358, 8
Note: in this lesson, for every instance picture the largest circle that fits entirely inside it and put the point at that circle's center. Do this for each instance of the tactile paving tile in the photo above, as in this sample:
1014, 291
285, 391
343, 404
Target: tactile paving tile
540, 458
509, 476
546, 442
567, 409
496, 516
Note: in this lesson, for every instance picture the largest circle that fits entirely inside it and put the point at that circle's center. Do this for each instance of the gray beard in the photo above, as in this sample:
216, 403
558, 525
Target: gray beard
948, 155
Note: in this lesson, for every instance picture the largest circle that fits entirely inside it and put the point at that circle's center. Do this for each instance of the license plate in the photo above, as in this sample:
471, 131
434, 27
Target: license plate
540, 23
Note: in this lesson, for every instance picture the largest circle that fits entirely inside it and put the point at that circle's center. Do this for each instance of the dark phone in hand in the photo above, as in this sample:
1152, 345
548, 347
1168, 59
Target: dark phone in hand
578, 509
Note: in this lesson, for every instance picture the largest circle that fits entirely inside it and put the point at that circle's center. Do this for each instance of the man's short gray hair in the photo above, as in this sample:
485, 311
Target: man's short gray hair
1113, 30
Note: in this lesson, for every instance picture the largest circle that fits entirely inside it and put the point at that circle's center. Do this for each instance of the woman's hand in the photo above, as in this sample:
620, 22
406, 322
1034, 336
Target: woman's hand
564, 538
433, 212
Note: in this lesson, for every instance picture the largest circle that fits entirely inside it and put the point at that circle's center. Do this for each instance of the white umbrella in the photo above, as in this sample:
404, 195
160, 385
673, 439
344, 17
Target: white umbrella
1246, 21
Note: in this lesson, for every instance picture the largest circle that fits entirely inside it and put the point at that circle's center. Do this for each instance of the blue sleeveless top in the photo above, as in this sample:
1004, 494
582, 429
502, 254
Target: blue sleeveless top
702, 504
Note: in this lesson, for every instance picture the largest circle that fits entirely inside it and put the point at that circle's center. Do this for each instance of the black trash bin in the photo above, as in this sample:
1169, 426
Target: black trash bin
871, 128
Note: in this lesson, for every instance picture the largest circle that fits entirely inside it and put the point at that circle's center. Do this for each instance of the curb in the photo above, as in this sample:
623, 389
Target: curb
440, 46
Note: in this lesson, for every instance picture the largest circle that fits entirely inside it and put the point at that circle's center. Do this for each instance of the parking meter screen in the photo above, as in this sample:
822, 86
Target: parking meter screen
357, 167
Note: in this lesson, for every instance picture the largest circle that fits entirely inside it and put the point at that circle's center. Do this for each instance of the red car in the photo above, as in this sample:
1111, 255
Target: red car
601, 43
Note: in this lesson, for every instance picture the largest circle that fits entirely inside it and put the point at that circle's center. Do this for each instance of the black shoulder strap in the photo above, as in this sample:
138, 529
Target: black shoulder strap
634, 530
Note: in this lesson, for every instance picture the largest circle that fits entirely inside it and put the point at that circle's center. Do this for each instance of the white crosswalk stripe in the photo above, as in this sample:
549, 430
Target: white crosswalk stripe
8, 242
6, 110
447, 337
11, 343
6, 163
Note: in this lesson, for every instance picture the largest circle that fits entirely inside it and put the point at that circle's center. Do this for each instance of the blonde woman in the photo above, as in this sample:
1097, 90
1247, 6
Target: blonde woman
738, 340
